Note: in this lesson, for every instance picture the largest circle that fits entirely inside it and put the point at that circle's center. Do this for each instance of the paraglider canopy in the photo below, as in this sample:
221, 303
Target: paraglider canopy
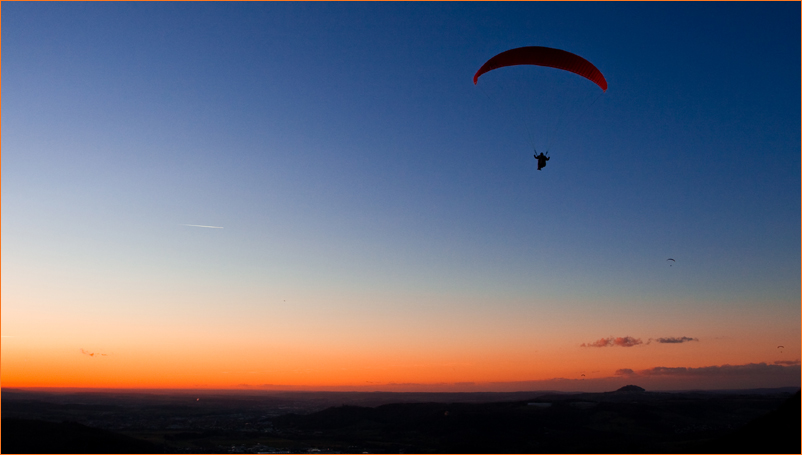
544, 56
547, 103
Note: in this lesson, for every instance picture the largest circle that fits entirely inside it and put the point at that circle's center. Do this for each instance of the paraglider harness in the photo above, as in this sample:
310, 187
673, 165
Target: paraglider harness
541, 159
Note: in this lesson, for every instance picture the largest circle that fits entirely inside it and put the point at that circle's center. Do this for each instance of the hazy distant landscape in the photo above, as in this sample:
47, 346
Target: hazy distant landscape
629, 420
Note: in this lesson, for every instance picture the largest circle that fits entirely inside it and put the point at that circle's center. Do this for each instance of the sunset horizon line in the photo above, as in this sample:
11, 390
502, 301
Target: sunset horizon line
762, 375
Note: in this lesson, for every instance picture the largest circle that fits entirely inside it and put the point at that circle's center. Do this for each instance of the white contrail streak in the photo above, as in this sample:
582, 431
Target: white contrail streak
200, 225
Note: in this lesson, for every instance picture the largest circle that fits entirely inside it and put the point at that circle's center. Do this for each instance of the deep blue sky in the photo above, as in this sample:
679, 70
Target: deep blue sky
345, 150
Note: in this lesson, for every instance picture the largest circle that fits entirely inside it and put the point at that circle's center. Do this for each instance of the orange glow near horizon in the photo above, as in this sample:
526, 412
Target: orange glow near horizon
463, 340
204, 364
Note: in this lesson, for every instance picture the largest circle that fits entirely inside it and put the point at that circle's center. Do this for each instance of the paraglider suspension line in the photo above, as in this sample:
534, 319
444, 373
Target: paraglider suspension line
558, 123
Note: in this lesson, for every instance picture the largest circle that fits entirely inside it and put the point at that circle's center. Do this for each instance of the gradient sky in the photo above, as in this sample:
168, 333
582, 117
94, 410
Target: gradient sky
383, 222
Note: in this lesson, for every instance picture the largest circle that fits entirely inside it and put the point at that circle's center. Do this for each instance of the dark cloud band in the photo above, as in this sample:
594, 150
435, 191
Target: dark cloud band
674, 339
625, 342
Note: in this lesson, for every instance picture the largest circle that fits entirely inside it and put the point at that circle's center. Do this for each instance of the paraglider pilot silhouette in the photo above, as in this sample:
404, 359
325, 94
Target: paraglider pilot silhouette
541, 160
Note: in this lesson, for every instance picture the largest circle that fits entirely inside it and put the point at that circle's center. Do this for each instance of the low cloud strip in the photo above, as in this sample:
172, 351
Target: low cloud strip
625, 342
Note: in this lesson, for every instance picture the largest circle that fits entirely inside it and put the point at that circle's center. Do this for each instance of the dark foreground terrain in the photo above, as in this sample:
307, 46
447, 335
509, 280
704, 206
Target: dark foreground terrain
626, 421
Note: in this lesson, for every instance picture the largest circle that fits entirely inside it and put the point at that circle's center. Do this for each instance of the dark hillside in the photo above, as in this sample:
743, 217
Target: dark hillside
629, 421
621, 421
776, 432
37, 436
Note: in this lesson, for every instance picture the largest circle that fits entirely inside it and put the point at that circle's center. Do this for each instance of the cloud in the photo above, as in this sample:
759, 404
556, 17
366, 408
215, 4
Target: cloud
672, 339
721, 377
717, 370
716, 377
624, 342
202, 226
628, 341
91, 354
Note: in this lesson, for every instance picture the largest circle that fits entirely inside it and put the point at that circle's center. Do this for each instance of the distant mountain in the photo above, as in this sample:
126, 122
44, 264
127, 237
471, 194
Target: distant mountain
630, 389
38, 436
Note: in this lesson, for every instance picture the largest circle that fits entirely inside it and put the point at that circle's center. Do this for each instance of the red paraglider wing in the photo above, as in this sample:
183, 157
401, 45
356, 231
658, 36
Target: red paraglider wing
544, 56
